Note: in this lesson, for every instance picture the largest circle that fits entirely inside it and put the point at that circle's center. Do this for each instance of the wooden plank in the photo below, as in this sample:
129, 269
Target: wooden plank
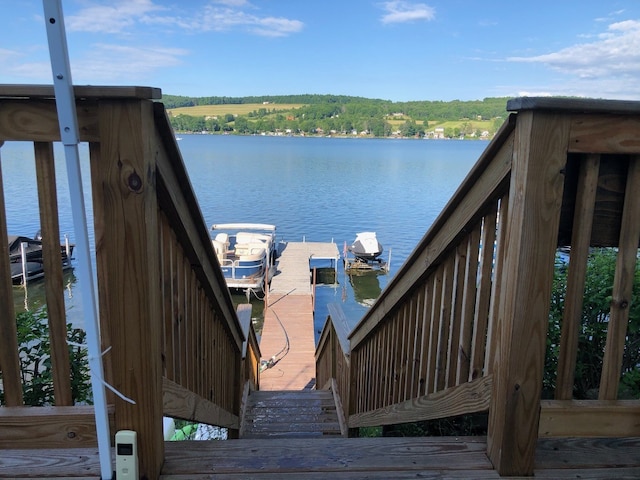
590, 418
445, 325
570, 105
330, 456
52, 463
418, 343
128, 273
467, 398
483, 295
434, 329
572, 315
605, 133
180, 402
468, 305
37, 121
622, 286
9, 359
536, 192
52, 263
340, 325
288, 340
459, 268
496, 287
37, 428
588, 453
424, 340
344, 427
82, 91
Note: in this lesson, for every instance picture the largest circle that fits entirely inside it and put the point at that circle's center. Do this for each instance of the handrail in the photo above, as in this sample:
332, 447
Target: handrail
462, 326
175, 340
333, 353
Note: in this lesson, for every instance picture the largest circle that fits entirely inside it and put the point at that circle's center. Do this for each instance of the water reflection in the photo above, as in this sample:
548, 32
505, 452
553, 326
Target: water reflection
32, 296
365, 285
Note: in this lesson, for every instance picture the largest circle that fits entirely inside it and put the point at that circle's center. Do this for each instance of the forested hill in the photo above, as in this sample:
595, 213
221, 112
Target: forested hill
421, 109
341, 115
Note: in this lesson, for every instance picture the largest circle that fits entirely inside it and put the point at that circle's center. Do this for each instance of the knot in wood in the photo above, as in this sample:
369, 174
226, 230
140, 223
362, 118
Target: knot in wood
624, 304
135, 182
71, 434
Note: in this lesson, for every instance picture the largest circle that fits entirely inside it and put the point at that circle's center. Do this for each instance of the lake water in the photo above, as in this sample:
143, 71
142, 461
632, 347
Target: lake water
318, 189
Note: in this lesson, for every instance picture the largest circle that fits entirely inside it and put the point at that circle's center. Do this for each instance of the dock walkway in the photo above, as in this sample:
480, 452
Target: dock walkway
287, 335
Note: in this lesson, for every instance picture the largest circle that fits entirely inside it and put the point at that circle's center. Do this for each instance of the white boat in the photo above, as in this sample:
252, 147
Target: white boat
246, 253
366, 247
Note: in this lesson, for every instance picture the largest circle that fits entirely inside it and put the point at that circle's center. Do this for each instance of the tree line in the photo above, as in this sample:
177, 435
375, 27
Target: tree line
335, 114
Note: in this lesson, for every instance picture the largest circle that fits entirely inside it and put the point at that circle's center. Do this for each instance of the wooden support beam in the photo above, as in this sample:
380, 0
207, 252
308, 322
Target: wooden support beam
127, 249
180, 402
535, 198
467, 398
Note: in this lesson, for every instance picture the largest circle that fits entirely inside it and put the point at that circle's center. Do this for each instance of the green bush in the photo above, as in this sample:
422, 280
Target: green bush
34, 348
601, 267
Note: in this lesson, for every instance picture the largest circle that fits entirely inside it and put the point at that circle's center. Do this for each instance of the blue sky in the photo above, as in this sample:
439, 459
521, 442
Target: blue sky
395, 50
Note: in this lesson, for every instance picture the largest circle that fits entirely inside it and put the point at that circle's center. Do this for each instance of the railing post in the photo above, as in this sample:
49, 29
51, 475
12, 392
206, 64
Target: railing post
127, 249
9, 358
535, 198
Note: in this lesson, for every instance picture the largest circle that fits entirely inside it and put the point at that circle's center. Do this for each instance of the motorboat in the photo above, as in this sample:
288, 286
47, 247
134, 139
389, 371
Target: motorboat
25, 257
247, 254
366, 247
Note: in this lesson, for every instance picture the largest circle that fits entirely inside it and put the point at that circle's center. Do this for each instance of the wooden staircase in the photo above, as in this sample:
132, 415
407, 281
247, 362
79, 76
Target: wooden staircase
292, 413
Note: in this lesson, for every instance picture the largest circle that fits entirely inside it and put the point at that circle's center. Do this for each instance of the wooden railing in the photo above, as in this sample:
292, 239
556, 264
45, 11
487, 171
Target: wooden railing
462, 327
173, 338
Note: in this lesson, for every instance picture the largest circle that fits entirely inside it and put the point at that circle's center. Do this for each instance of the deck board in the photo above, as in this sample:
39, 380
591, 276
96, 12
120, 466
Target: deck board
288, 333
343, 458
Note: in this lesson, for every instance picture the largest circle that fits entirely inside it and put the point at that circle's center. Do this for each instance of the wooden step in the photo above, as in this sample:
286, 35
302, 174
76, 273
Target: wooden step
290, 413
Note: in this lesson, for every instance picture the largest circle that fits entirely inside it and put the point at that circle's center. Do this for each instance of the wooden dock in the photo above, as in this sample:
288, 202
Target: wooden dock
288, 341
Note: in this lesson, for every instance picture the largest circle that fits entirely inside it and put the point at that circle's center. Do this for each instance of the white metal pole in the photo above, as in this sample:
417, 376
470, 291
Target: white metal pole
66, 106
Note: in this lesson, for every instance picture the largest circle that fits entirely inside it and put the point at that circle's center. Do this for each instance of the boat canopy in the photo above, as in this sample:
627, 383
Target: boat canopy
243, 226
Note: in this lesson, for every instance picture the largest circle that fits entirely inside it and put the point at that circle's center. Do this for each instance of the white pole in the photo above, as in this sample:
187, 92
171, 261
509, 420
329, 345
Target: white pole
23, 258
66, 106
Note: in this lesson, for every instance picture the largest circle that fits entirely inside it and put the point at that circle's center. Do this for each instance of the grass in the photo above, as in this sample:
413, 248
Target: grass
235, 109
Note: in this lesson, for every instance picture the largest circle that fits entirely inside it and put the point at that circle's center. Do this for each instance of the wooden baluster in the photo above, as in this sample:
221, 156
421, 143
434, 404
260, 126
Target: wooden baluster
52, 259
9, 360
580, 240
622, 285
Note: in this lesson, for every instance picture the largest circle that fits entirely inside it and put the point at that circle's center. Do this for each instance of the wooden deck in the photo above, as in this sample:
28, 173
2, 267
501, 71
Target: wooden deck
287, 335
343, 458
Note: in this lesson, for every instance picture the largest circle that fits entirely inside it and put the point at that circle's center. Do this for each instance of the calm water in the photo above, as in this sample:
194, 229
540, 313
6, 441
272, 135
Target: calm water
318, 189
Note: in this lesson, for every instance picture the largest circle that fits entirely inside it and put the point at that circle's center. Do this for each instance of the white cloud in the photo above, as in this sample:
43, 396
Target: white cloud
616, 53
399, 11
219, 15
111, 18
117, 63
231, 16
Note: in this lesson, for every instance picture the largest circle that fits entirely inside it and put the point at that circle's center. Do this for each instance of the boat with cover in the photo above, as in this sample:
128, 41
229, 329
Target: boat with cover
29, 259
247, 254
366, 247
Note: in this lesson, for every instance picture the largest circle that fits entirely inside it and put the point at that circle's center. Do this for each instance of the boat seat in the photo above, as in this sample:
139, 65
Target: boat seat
220, 249
243, 249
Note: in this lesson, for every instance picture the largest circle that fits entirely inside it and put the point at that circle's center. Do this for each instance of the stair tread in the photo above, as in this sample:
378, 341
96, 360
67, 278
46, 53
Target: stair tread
290, 413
